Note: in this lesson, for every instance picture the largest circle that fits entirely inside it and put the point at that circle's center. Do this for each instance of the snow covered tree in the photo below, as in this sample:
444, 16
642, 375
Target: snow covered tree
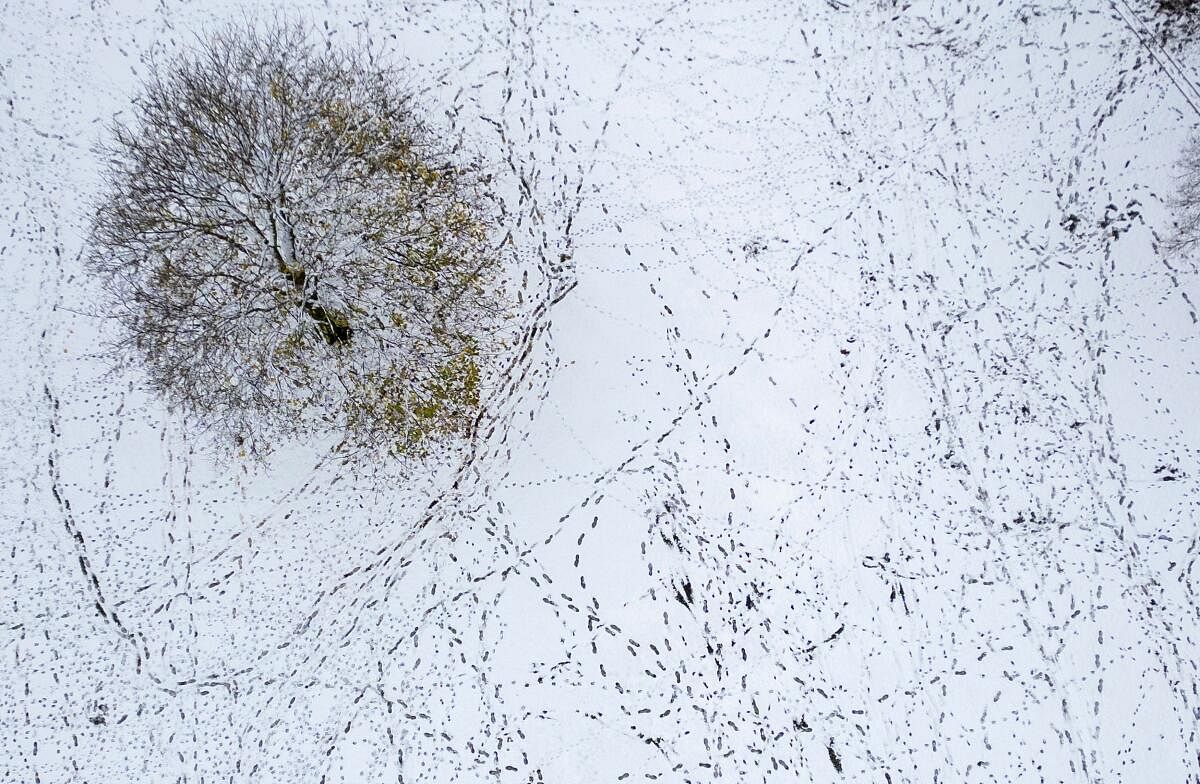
289, 246
1186, 202
1177, 20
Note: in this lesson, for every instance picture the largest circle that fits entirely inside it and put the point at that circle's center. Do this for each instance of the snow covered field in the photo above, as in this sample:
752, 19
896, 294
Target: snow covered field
858, 435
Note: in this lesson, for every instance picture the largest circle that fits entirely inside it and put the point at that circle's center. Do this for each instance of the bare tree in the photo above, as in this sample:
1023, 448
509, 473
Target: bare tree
1174, 21
1186, 202
289, 246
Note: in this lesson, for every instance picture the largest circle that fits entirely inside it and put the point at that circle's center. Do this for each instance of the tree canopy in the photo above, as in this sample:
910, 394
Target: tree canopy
288, 244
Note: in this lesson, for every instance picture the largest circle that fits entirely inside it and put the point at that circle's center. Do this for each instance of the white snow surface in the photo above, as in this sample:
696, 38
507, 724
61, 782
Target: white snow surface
839, 452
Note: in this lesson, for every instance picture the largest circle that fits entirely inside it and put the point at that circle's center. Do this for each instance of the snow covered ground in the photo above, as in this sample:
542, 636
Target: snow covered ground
857, 438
